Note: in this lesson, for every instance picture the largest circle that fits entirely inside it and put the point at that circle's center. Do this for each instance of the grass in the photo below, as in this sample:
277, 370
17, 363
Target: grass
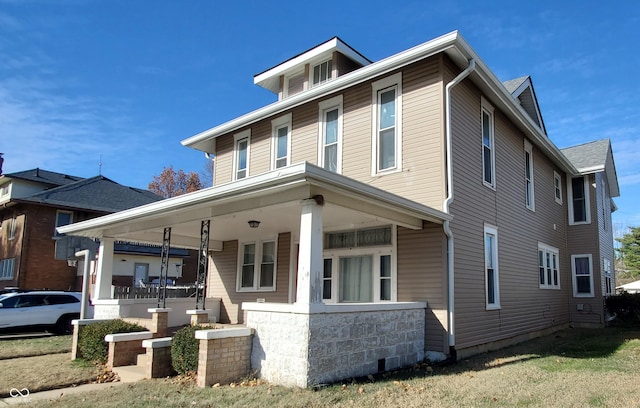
572, 368
28, 347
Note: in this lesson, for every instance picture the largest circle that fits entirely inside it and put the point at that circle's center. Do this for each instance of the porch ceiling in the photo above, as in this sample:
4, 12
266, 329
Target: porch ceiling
272, 198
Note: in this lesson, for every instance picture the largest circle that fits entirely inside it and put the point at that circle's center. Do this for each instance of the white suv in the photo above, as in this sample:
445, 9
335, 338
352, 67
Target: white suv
51, 310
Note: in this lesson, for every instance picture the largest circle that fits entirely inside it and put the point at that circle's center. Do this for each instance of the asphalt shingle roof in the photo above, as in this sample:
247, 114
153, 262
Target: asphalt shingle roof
94, 194
43, 176
588, 155
513, 84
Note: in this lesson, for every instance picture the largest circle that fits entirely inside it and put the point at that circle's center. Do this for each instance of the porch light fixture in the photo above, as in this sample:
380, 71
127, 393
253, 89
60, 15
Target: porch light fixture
254, 224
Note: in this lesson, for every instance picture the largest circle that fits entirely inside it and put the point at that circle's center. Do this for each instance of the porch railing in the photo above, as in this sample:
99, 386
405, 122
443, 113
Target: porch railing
151, 292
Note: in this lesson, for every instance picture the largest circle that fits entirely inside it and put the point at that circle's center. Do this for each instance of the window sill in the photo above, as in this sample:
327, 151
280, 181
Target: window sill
496, 307
253, 290
491, 186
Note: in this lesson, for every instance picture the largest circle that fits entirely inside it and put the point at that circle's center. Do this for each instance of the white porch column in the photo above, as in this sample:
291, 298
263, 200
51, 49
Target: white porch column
309, 289
104, 275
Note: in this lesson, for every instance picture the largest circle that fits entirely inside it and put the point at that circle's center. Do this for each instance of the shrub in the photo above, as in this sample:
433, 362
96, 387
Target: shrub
625, 306
184, 349
91, 342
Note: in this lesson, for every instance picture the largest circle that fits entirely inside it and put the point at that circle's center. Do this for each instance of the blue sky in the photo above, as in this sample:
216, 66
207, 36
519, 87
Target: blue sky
127, 80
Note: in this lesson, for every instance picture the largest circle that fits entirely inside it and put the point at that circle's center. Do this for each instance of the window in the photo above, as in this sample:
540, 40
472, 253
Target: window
4, 190
241, 154
330, 136
387, 122
257, 270
62, 218
6, 268
582, 271
557, 186
322, 72
579, 208
363, 264
294, 84
548, 266
13, 226
608, 278
528, 175
492, 280
488, 150
603, 202
281, 141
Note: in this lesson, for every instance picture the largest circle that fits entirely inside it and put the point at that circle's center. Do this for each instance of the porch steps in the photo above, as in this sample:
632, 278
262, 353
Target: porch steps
128, 374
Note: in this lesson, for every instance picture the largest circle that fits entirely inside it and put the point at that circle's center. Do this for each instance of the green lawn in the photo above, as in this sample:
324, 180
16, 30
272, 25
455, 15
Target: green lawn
36, 346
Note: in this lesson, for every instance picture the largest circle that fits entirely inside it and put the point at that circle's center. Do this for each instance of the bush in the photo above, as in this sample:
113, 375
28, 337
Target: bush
184, 349
625, 306
91, 343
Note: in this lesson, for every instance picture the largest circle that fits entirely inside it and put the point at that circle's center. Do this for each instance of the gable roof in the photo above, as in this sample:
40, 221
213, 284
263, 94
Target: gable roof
595, 157
94, 194
522, 90
49, 178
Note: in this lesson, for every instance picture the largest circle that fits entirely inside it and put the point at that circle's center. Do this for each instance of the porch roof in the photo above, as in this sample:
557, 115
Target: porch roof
273, 198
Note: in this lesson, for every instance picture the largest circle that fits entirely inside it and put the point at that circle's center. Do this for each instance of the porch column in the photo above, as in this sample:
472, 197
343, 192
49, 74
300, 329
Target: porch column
310, 256
104, 275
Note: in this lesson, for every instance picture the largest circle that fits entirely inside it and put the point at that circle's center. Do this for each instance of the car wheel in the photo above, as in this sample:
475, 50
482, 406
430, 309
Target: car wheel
63, 325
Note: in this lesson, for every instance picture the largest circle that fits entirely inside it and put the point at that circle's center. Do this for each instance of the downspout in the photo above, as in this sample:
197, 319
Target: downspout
445, 205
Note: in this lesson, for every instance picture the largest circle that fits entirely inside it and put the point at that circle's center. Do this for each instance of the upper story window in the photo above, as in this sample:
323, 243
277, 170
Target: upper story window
241, 154
294, 83
579, 208
4, 190
548, 264
488, 150
528, 176
330, 136
387, 124
582, 271
492, 277
257, 266
281, 141
557, 187
322, 72
62, 218
13, 226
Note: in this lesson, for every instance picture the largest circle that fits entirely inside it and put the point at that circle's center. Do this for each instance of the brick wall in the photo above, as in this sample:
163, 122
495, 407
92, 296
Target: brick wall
223, 360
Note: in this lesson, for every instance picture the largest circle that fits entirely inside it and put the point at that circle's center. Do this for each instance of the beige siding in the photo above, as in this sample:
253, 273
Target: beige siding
304, 137
260, 152
524, 306
343, 64
223, 164
422, 277
223, 270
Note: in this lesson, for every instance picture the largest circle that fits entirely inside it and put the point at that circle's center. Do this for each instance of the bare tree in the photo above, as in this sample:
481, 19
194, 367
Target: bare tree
170, 184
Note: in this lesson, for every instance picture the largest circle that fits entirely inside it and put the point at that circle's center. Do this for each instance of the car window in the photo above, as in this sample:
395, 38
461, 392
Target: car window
9, 301
61, 299
31, 300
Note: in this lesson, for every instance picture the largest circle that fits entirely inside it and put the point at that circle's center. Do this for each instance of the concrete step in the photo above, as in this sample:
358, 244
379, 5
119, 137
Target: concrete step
141, 360
129, 374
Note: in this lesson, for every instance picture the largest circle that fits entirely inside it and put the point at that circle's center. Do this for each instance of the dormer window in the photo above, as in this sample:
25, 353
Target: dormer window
322, 72
295, 83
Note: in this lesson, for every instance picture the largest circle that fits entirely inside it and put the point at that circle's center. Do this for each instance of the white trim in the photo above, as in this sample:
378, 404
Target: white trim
314, 308
486, 107
528, 149
257, 265
293, 269
314, 64
493, 231
392, 81
557, 177
236, 138
573, 276
277, 124
554, 251
323, 107
587, 200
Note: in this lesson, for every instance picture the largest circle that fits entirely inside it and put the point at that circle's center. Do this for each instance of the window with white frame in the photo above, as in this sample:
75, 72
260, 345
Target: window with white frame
4, 190
492, 276
579, 207
603, 202
257, 266
387, 124
13, 227
330, 136
6, 268
294, 83
548, 267
322, 72
528, 176
241, 154
62, 218
557, 187
488, 150
281, 142
582, 275
608, 278
359, 266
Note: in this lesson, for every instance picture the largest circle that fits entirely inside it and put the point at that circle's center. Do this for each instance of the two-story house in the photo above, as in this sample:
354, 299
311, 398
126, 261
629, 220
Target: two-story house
378, 212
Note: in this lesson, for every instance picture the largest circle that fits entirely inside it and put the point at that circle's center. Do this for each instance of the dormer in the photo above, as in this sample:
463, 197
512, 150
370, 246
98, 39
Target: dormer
522, 90
312, 68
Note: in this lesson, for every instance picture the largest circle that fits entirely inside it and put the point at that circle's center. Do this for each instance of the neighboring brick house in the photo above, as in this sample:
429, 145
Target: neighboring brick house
382, 211
34, 202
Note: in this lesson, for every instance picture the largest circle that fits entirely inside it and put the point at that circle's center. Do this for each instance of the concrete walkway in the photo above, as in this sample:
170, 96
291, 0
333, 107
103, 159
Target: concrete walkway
57, 393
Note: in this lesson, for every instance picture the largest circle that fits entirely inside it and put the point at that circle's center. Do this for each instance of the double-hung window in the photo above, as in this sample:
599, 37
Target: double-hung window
557, 187
387, 124
330, 137
322, 72
548, 267
62, 218
241, 154
582, 271
608, 278
528, 176
281, 142
488, 148
579, 208
492, 277
13, 226
257, 271
6, 268
359, 266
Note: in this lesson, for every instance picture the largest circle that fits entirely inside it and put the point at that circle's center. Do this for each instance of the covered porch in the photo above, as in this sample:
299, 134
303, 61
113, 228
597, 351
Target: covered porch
306, 257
